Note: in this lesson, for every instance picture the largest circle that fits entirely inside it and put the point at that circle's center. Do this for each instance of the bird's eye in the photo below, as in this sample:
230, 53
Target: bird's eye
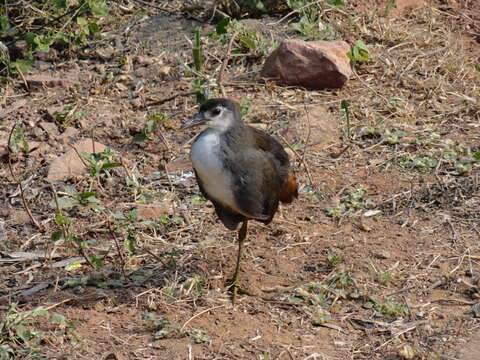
216, 111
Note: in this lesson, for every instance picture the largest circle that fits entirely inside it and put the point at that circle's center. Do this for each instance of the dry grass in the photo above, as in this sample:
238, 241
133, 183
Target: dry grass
398, 285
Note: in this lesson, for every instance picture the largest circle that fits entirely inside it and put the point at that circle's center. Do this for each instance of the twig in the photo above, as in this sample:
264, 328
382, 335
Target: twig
156, 257
19, 183
152, 5
80, 156
118, 250
200, 313
225, 62
400, 291
309, 133
170, 98
23, 79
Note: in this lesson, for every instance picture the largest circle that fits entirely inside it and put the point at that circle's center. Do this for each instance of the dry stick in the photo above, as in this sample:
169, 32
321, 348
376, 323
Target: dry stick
24, 80
156, 257
309, 132
200, 313
118, 250
152, 6
225, 62
19, 183
79, 156
307, 169
170, 98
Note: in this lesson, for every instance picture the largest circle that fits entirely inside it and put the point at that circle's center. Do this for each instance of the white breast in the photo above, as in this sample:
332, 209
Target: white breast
217, 181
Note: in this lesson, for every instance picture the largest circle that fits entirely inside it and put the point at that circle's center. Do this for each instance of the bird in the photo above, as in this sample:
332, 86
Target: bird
242, 170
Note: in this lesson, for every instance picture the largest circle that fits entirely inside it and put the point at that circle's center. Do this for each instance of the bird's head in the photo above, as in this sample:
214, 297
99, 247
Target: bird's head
217, 114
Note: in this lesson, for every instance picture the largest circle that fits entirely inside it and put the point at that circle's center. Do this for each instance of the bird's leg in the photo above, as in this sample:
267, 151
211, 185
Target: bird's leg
242, 234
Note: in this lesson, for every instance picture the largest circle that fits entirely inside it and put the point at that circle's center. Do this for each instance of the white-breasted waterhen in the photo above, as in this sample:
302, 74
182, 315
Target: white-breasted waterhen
243, 171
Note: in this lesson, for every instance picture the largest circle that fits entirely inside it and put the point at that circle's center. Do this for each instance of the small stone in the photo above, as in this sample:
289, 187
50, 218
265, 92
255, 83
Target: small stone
370, 213
382, 254
154, 211
145, 60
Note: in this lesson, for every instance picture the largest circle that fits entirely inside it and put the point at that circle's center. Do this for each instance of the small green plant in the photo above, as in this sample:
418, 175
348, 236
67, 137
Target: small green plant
384, 278
333, 258
151, 125
349, 204
383, 136
345, 106
246, 108
395, 104
68, 116
312, 29
386, 307
359, 52
239, 8
82, 21
100, 163
248, 41
456, 160
317, 299
310, 25
164, 328
66, 232
20, 336
420, 163
200, 82
18, 141
74, 198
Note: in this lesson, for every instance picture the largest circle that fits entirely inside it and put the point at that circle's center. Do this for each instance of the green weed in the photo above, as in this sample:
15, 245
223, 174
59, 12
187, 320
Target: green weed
386, 307
349, 204
68, 116
164, 328
20, 336
18, 141
81, 22
151, 125
359, 52
100, 163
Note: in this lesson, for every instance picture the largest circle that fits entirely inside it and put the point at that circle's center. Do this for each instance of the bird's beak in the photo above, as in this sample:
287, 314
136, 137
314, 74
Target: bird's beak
198, 119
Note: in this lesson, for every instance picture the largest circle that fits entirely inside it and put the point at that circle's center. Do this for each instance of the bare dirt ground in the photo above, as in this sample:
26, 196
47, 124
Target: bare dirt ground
391, 271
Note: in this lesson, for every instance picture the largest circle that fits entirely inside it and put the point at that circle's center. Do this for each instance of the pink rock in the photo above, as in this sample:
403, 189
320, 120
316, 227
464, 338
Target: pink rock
70, 164
154, 211
312, 64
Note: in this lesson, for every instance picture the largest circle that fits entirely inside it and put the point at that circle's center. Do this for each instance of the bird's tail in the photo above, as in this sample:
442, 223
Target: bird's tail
289, 190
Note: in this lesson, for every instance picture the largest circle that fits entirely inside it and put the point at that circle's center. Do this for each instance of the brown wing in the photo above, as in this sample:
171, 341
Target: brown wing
289, 187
